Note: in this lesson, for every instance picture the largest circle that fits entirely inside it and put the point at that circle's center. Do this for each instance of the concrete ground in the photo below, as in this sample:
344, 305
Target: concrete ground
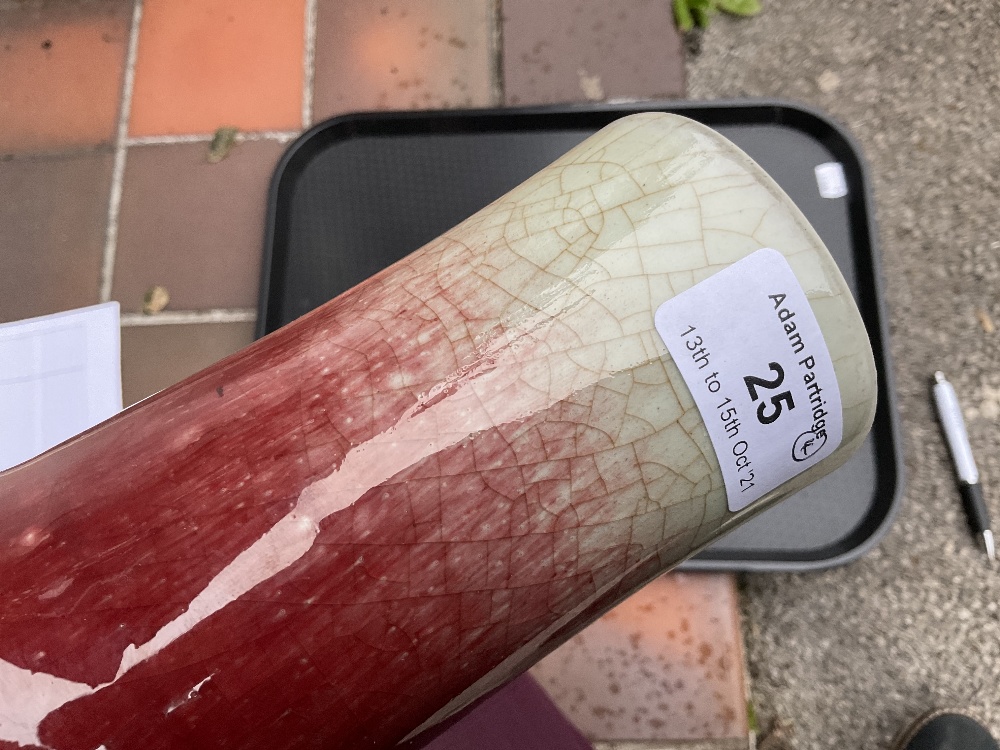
849, 655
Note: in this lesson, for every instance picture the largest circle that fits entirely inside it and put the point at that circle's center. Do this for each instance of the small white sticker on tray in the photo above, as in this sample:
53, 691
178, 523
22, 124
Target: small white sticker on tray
831, 180
751, 352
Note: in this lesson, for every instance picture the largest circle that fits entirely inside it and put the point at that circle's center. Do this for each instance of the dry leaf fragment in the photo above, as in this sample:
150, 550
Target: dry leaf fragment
155, 299
222, 143
985, 320
778, 736
591, 86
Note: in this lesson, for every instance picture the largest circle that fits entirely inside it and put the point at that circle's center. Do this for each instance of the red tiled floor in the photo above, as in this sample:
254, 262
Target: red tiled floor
155, 357
402, 54
52, 215
193, 227
667, 664
590, 50
203, 64
61, 69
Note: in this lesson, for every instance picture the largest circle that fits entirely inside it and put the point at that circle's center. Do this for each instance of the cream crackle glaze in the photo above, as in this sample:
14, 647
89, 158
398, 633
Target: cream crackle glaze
361, 523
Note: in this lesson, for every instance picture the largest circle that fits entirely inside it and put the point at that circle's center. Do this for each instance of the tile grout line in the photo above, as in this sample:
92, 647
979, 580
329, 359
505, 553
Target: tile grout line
722, 743
498, 84
309, 64
743, 661
188, 317
281, 136
155, 140
121, 149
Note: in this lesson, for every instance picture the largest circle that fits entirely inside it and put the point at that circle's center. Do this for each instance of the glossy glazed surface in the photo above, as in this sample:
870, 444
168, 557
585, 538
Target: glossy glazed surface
361, 523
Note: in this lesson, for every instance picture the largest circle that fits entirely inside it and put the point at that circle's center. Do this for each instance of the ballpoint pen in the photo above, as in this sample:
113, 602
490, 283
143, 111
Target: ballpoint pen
950, 414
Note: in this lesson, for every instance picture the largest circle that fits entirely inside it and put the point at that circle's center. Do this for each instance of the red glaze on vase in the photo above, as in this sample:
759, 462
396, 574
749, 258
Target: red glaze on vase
345, 533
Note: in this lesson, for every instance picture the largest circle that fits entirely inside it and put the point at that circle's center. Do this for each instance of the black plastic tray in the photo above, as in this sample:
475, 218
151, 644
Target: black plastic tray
358, 192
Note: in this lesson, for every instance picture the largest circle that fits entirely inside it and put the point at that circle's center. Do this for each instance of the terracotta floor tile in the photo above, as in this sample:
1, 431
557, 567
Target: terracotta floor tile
53, 211
61, 67
155, 357
402, 54
193, 227
203, 64
667, 664
590, 50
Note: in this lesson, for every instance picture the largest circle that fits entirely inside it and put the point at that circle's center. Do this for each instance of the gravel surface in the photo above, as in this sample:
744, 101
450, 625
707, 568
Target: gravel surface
848, 656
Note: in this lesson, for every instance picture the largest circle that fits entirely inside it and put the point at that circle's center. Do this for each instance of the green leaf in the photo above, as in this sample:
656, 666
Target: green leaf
740, 7
701, 16
752, 718
702, 11
682, 16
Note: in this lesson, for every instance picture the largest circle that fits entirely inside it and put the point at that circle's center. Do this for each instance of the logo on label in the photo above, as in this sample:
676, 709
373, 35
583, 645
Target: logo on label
808, 444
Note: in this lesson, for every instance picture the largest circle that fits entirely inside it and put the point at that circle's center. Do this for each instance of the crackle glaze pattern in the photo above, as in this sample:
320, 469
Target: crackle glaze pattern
358, 525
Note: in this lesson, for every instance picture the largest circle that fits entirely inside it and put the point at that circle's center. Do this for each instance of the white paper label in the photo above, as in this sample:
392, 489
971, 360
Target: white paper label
831, 180
750, 350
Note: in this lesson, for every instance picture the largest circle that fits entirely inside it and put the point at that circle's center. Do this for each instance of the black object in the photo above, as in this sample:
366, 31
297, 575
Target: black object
945, 730
358, 192
978, 515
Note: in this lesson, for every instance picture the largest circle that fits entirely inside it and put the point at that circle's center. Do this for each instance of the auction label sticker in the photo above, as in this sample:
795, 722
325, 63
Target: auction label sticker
751, 352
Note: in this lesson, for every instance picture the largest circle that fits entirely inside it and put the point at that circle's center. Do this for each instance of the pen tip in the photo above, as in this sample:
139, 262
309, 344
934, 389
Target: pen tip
991, 551
939, 376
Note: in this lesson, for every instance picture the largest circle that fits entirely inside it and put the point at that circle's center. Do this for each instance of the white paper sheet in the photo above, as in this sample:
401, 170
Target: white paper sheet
59, 375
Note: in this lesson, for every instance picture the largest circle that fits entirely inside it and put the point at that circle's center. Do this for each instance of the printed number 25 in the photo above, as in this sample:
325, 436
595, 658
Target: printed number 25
785, 397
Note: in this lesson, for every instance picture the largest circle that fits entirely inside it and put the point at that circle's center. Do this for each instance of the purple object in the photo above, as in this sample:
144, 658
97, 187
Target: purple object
518, 716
